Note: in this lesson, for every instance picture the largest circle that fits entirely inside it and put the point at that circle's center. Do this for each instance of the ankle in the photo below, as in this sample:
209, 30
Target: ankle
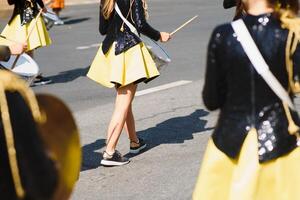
108, 154
135, 143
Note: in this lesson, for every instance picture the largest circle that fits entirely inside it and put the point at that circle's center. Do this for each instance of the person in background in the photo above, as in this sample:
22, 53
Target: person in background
19, 29
57, 6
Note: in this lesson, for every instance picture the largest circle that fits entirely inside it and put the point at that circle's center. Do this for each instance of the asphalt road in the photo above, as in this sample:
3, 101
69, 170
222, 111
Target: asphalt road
174, 121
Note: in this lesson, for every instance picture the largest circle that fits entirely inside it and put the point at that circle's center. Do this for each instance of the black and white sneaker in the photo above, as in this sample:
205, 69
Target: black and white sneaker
139, 146
41, 80
114, 160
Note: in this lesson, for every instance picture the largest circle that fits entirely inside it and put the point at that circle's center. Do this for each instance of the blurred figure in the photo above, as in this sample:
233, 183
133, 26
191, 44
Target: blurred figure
253, 153
40, 159
57, 6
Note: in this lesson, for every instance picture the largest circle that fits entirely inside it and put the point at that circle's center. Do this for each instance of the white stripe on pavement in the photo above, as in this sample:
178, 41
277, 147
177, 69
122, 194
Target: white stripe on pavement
96, 45
162, 87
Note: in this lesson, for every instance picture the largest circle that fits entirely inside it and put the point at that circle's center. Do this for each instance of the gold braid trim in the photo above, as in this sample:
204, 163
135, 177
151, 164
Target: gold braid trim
292, 127
293, 25
9, 82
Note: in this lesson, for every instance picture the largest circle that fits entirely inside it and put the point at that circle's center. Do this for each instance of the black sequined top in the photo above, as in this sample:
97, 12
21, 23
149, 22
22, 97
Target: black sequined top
125, 39
20, 7
245, 100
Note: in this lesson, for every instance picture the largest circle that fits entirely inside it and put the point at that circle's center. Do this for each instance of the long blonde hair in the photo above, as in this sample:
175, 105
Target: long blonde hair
107, 7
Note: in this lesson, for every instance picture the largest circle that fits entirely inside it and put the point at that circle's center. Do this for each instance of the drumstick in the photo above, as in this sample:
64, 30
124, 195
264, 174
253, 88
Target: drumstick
183, 25
35, 23
30, 32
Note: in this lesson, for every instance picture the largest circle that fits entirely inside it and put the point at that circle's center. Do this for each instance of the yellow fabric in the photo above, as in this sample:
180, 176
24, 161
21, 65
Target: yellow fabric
128, 67
15, 32
222, 178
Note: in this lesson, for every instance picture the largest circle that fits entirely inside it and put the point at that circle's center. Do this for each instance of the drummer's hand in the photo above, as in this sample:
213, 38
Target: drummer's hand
17, 48
165, 37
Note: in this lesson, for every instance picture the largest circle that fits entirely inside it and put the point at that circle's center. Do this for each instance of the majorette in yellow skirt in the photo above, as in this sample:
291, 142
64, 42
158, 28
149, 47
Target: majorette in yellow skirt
132, 66
222, 178
14, 31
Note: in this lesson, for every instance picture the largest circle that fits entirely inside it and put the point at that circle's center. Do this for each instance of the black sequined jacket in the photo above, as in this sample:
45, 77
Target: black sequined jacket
126, 39
244, 99
19, 7
4, 53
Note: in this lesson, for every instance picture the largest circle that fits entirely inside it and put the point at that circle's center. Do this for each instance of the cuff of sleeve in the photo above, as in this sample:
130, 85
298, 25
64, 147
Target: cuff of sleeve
157, 36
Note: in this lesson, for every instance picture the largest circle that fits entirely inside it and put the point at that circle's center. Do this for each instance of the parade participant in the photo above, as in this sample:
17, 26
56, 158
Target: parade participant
14, 49
253, 151
40, 157
124, 62
25, 17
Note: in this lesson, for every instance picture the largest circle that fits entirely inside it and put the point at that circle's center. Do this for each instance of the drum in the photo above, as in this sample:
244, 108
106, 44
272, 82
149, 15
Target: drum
158, 54
25, 67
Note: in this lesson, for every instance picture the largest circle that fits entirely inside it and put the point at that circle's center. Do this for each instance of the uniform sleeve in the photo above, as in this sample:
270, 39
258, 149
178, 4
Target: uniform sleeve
141, 24
103, 23
214, 91
4, 53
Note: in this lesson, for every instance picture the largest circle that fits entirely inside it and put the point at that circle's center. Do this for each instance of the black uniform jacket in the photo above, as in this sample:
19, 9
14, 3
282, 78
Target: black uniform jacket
244, 99
126, 39
4, 53
38, 172
19, 7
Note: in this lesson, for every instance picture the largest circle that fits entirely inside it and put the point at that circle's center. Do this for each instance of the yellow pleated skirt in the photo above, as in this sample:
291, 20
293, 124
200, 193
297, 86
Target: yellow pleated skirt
132, 66
222, 178
15, 32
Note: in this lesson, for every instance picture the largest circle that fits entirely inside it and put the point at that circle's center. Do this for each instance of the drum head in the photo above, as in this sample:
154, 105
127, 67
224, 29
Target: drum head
61, 137
155, 48
25, 65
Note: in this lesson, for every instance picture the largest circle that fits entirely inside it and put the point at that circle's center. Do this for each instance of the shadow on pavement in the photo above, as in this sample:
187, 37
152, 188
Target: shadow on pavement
76, 21
68, 76
174, 131
91, 158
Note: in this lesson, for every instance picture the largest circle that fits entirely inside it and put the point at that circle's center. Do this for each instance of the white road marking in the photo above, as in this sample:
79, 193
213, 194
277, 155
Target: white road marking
162, 87
96, 45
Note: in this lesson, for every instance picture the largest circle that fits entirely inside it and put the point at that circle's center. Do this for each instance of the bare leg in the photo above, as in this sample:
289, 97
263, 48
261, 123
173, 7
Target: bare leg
124, 98
130, 126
